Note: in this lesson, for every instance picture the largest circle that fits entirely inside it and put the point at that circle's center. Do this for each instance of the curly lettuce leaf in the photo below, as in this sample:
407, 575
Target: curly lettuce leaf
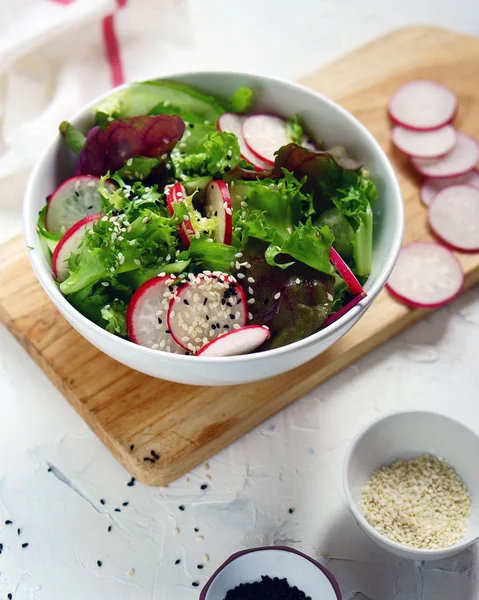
212, 255
115, 316
111, 148
241, 100
294, 130
342, 230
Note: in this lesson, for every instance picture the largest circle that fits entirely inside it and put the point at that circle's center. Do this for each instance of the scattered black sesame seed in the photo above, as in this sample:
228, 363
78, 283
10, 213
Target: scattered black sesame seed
213, 326
131, 483
155, 455
8, 522
109, 528
226, 326
185, 301
132, 447
223, 302
200, 566
291, 511
195, 584
181, 507
117, 509
232, 317
90, 208
205, 301
77, 194
1, 547
49, 469
171, 288
9, 596
177, 561
99, 563
167, 330
207, 317
215, 213
25, 545
19, 531
229, 304
204, 486
191, 125
160, 321
196, 529
125, 503
149, 459
102, 501
227, 168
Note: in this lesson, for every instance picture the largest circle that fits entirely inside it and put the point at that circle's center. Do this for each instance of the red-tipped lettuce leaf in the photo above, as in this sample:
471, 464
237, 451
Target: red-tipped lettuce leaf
108, 149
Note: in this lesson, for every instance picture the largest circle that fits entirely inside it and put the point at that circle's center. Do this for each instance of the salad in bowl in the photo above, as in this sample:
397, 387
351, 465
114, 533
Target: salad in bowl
193, 224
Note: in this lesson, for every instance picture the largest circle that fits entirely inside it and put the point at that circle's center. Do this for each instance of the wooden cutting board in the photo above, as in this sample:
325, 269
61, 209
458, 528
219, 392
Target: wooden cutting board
134, 414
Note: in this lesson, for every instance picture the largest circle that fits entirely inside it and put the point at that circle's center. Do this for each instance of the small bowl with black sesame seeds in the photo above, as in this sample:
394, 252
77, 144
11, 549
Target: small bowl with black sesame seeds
411, 482
215, 228
269, 573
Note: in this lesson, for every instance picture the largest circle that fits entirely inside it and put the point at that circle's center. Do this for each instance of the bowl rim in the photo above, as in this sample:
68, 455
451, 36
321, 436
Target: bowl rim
233, 557
357, 513
96, 332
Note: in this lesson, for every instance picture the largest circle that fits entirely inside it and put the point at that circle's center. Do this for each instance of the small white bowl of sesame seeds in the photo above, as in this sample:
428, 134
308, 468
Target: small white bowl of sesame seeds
412, 484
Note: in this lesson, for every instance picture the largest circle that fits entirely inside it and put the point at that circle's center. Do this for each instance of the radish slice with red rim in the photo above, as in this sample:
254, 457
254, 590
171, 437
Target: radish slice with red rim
204, 307
264, 135
344, 309
240, 341
431, 187
422, 105
424, 144
426, 275
218, 204
350, 279
177, 193
454, 217
69, 244
233, 123
460, 160
146, 317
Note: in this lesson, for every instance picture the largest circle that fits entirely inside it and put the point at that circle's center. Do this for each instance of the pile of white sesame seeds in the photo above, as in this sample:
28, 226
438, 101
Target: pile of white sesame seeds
421, 502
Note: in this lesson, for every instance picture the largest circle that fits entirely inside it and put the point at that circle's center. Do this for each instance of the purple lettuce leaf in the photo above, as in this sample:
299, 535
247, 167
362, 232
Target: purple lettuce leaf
109, 149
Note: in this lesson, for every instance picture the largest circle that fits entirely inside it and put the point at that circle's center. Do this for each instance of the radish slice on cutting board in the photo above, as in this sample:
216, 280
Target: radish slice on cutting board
204, 307
454, 217
218, 204
146, 317
72, 201
431, 187
460, 160
69, 244
426, 275
424, 144
177, 193
240, 341
232, 123
422, 105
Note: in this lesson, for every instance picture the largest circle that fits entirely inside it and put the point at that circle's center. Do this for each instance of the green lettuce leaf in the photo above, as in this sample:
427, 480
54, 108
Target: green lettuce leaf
74, 138
294, 130
212, 255
115, 316
241, 100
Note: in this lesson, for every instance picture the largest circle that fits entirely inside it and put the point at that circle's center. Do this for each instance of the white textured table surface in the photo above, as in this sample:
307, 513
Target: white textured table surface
292, 461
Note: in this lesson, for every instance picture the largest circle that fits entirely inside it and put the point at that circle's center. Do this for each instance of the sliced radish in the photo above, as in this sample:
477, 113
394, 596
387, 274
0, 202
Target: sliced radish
240, 341
146, 317
177, 193
431, 187
264, 135
460, 160
424, 144
426, 275
204, 307
218, 204
232, 123
454, 217
422, 105
69, 243
72, 201
345, 272
343, 310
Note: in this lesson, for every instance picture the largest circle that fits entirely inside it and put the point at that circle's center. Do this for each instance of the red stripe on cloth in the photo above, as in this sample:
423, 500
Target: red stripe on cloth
70, 1
112, 47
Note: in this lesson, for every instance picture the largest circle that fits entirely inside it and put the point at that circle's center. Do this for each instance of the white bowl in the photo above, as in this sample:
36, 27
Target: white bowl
323, 118
405, 435
275, 561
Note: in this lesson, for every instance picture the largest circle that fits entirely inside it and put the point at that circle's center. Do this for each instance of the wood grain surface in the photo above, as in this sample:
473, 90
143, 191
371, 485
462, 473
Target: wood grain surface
134, 414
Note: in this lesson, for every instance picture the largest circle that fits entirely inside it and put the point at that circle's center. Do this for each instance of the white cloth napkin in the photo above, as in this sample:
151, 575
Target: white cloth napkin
54, 58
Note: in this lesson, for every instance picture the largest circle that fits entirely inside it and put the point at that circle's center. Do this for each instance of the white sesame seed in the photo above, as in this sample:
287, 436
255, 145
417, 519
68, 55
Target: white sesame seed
155, 346
105, 283
277, 296
129, 162
236, 326
240, 275
243, 203
228, 211
250, 280
330, 297
250, 290
250, 316
251, 301
137, 261
132, 242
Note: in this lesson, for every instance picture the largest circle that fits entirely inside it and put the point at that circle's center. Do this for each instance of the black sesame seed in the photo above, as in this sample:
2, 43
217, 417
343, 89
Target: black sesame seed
177, 561
49, 469
77, 194
191, 125
160, 321
132, 447
109, 528
125, 503
171, 288
200, 567
195, 584
205, 301
229, 304
90, 208
223, 302
185, 301
19, 531
213, 326
102, 501
204, 486
99, 563
196, 529
1, 547
226, 326
239, 301
167, 330
25, 545
155, 455
149, 459
232, 317
117, 509
291, 511
207, 317
181, 507
9, 596
8, 522
216, 213
227, 168
131, 483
